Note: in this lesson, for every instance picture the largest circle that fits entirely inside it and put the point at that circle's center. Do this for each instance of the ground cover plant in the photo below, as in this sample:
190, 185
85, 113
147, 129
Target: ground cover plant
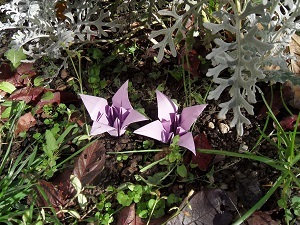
149, 112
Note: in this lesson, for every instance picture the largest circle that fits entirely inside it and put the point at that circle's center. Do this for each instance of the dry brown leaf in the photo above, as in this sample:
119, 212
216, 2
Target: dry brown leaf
127, 216
295, 51
202, 160
33, 96
6, 72
60, 8
24, 73
261, 218
90, 162
18, 78
207, 207
54, 196
193, 61
24, 123
291, 94
27, 94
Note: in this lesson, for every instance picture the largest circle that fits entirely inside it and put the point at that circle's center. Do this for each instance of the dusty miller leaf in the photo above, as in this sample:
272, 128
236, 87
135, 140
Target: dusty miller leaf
275, 76
40, 32
168, 34
255, 47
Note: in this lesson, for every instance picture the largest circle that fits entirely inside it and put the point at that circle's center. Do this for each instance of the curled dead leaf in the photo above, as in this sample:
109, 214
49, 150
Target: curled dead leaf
190, 61
202, 160
207, 207
90, 163
24, 123
27, 94
288, 123
295, 51
53, 195
127, 216
261, 218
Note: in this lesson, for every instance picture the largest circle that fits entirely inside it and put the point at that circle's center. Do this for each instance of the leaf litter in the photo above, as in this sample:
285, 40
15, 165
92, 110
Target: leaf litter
207, 207
60, 192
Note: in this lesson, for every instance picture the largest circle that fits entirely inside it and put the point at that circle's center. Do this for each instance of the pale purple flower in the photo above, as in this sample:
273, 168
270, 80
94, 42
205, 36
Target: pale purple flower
113, 119
171, 123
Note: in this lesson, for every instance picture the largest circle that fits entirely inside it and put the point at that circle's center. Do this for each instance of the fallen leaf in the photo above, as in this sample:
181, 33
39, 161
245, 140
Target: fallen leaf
275, 100
202, 160
24, 73
55, 99
54, 196
58, 97
127, 216
27, 94
20, 77
261, 218
291, 94
24, 123
288, 123
77, 117
63, 183
60, 8
190, 61
207, 207
6, 72
90, 162
294, 47
34, 96
7, 75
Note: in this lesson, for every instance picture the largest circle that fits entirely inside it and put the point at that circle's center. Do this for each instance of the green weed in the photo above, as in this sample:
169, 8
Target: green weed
15, 186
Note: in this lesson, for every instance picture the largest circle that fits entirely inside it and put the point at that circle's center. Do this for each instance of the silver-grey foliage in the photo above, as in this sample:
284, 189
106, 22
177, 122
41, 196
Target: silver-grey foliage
40, 32
262, 34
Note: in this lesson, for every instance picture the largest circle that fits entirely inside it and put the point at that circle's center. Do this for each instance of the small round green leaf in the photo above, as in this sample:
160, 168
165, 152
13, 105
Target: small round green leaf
181, 170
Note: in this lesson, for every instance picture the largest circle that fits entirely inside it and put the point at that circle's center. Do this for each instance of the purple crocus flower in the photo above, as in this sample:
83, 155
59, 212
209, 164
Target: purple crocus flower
171, 123
113, 119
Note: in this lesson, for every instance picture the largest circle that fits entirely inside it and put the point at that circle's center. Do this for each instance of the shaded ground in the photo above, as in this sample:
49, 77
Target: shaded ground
247, 180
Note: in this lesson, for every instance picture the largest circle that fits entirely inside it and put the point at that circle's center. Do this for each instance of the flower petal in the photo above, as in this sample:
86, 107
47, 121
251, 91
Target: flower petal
133, 117
116, 124
120, 98
187, 141
117, 133
100, 128
93, 105
153, 130
189, 115
165, 106
167, 125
